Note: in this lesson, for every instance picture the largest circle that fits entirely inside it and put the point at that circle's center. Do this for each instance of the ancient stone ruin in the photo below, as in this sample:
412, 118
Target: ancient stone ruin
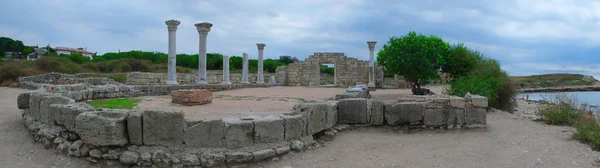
191, 97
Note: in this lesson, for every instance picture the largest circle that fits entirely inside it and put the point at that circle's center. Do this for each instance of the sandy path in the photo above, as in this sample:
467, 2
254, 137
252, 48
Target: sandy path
17, 147
509, 141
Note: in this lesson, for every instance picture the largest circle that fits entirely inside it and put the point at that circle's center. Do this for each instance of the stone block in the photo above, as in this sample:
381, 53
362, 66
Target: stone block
476, 116
263, 154
238, 157
434, 117
332, 114
396, 113
66, 113
47, 113
204, 133
295, 125
238, 132
316, 115
191, 97
456, 117
457, 102
353, 111
268, 129
34, 103
376, 115
134, 128
23, 101
478, 101
102, 128
163, 127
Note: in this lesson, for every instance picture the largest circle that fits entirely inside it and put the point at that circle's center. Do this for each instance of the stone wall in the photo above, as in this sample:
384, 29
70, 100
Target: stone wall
348, 71
147, 78
33, 82
165, 138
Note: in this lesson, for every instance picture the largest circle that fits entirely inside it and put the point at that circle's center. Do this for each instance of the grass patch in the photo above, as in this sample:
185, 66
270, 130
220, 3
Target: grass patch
114, 103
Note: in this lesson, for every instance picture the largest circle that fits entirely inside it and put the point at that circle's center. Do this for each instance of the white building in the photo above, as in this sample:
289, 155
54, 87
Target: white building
68, 51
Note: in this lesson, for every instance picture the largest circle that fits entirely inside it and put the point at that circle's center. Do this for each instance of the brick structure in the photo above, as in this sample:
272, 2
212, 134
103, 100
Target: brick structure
192, 97
348, 71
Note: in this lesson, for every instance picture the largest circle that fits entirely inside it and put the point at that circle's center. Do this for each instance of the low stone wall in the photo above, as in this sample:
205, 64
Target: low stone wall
37, 81
165, 138
146, 78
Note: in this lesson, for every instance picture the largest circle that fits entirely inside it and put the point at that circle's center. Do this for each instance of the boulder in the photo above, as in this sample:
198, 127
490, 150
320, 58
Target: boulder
163, 127
102, 128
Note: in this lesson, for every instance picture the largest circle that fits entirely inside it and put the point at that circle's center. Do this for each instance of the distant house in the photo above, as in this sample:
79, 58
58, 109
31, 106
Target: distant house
37, 53
68, 51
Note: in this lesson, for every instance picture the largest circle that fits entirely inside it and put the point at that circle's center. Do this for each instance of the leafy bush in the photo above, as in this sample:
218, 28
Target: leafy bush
11, 70
77, 57
587, 130
415, 56
460, 61
90, 67
561, 110
486, 79
57, 64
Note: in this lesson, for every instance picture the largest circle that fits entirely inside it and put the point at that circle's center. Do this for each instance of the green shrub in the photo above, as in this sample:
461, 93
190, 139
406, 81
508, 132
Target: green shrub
11, 70
90, 67
139, 65
486, 79
587, 130
561, 110
57, 64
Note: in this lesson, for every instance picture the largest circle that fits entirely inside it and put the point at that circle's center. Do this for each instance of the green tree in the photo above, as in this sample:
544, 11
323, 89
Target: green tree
460, 61
28, 50
235, 62
286, 59
417, 57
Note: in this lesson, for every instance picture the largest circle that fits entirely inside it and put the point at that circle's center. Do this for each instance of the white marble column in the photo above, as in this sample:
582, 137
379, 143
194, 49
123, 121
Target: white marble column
260, 78
172, 67
245, 69
371, 63
226, 80
203, 29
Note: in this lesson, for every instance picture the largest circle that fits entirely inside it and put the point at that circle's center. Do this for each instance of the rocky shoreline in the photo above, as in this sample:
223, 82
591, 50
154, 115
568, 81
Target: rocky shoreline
562, 89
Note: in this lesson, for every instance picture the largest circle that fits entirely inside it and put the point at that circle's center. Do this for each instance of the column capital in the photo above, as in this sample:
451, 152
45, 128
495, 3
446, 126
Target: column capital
261, 46
203, 27
172, 24
371, 44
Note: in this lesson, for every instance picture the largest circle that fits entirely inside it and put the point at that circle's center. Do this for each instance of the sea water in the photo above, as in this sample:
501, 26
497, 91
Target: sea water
589, 98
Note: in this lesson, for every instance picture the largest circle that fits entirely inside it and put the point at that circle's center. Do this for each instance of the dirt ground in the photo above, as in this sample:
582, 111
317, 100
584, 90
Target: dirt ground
509, 141
245, 102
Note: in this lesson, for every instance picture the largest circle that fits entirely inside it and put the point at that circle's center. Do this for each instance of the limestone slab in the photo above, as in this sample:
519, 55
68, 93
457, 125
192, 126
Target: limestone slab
268, 129
377, 108
332, 114
476, 116
403, 112
205, 133
102, 128
316, 115
134, 128
46, 113
434, 117
163, 127
353, 111
295, 125
66, 113
238, 132
456, 117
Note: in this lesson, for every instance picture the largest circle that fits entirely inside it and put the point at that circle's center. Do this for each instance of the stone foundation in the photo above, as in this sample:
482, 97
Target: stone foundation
191, 97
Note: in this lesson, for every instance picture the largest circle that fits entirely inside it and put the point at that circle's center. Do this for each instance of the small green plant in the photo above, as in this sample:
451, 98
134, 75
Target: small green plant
114, 103
561, 110
587, 130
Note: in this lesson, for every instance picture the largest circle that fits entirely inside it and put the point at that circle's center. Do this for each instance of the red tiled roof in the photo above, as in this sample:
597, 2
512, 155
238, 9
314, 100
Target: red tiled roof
72, 50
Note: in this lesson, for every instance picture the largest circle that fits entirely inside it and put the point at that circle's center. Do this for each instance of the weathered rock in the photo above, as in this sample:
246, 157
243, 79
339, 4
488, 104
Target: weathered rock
238, 132
403, 112
332, 114
74, 150
477, 101
64, 146
297, 145
476, 116
96, 153
111, 155
434, 117
210, 159
66, 114
145, 159
268, 129
47, 113
295, 125
102, 128
191, 97
316, 114
129, 157
353, 111
282, 150
456, 117
134, 128
35, 98
263, 154
205, 133
189, 160
238, 157
163, 127
23, 101
376, 117
161, 158
84, 149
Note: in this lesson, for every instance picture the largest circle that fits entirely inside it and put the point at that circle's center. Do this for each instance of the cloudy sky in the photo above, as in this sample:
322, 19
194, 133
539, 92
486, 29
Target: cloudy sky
526, 36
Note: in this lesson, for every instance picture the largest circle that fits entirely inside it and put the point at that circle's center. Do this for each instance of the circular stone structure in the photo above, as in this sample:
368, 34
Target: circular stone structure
191, 97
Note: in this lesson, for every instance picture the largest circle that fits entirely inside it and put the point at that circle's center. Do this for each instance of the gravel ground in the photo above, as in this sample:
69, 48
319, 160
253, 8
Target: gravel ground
509, 141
